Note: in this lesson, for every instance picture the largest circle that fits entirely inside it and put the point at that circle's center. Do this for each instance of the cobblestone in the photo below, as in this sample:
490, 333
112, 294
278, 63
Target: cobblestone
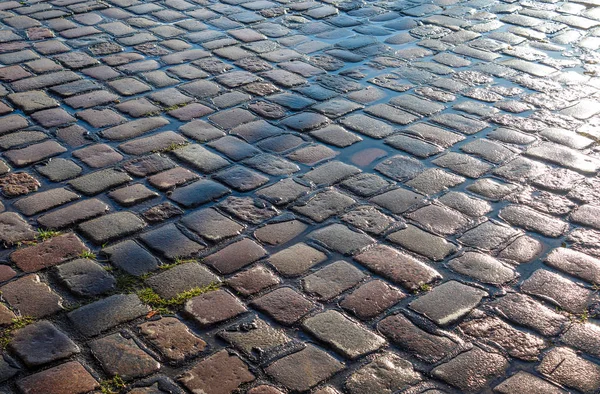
398, 162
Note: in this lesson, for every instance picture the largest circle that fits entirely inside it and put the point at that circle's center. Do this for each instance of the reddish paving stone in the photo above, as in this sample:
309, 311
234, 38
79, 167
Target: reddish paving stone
253, 280
68, 378
34, 153
371, 299
284, 305
48, 253
235, 256
399, 267
221, 373
18, 184
172, 338
31, 297
264, 389
214, 307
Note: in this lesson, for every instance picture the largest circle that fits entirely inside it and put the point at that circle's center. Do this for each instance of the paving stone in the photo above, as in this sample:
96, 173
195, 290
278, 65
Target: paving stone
448, 302
171, 242
121, 356
41, 343
181, 278
526, 311
31, 297
342, 334
557, 290
332, 280
341, 239
99, 316
48, 253
523, 382
419, 241
426, 346
220, 373
112, 226
235, 256
284, 305
400, 168
488, 235
324, 205
34, 153
518, 344
85, 277
99, 181
200, 158
398, 267
255, 338
385, 374
564, 366
172, 338
533, 221
472, 370
70, 377
482, 267
73, 213
99, 155
315, 364
248, 209
213, 307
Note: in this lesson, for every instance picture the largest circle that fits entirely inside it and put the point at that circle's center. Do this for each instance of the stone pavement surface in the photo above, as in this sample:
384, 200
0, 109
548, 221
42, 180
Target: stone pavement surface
281, 196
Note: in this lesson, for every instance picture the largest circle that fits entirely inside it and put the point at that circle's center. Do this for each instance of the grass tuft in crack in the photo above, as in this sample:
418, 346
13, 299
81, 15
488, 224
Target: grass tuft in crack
112, 386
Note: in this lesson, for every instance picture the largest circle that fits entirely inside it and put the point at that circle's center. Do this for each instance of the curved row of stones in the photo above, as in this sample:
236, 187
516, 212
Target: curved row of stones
330, 196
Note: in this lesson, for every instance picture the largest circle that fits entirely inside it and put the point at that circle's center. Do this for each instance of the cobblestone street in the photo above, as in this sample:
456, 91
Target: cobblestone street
280, 196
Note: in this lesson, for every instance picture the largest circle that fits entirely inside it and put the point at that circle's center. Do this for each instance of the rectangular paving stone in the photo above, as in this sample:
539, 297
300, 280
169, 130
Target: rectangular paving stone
31, 297
399, 267
154, 143
565, 157
109, 227
48, 253
198, 193
43, 201
564, 366
448, 302
101, 315
304, 369
68, 378
557, 290
201, 158
235, 256
575, 263
73, 213
134, 128
422, 344
44, 81
221, 373
34, 153
345, 336
99, 181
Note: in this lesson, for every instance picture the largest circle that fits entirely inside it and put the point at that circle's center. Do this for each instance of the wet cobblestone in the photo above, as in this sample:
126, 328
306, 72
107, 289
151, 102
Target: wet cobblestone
330, 196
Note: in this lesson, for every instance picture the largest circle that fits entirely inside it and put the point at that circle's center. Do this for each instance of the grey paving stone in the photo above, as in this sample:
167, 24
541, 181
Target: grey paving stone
181, 278
110, 227
448, 302
101, 315
342, 334
85, 277
386, 373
